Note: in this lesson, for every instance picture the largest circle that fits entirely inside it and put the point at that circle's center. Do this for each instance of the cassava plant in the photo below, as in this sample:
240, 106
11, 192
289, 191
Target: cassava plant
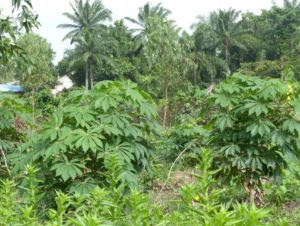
256, 124
73, 147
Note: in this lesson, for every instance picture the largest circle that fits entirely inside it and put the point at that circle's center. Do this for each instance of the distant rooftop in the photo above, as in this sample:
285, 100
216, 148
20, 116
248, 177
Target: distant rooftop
11, 88
63, 82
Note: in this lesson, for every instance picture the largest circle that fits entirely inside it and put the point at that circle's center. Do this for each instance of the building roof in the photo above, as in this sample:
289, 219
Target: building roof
11, 88
63, 82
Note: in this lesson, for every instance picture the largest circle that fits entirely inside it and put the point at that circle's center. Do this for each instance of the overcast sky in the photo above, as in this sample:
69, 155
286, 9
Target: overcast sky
184, 12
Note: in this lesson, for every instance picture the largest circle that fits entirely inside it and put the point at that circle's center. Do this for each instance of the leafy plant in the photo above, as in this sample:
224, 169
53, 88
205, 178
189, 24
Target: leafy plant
256, 124
21, 206
286, 190
114, 117
14, 123
177, 138
200, 202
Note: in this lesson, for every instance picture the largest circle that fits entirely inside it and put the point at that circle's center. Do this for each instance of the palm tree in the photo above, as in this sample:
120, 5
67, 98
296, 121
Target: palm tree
92, 52
204, 53
291, 5
228, 32
293, 8
144, 23
87, 24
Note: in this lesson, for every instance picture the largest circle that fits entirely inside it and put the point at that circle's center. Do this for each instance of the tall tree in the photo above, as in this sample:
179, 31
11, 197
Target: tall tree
228, 32
207, 65
88, 21
164, 56
34, 70
282, 32
144, 21
291, 5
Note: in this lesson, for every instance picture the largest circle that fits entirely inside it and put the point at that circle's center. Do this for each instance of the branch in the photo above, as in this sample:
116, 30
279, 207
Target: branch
5, 161
170, 171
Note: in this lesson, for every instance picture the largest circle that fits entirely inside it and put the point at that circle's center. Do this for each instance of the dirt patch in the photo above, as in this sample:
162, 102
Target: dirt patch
171, 191
290, 206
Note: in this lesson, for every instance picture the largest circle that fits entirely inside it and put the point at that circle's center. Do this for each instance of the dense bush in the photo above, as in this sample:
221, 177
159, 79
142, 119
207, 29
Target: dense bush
73, 148
189, 137
256, 124
198, 204
15, 120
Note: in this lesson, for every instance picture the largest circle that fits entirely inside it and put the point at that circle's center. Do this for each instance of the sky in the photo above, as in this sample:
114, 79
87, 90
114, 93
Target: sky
184, 12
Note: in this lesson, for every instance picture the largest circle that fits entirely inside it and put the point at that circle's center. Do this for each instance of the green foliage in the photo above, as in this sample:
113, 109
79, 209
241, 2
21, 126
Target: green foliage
33, 70
286, 190
36, 71
20, 207
46, 103
14, 123
198, 205
176, 139
97, 144
255, 126
87, 29
261, 68
11, 26
201, 205
114, 117
228, 34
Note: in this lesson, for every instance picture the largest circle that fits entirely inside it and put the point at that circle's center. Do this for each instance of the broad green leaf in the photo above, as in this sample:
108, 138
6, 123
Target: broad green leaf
223, 100
224, 122
105, 102
256, 107
68, 169
291, 125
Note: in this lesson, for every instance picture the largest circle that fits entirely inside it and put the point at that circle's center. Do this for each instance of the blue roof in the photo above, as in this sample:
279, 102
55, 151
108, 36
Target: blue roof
11, 88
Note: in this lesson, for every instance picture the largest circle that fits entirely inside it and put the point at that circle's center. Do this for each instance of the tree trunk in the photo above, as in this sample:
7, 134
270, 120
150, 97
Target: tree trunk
5, 161
248, 186
87, 75
293, 44
227, 55
255, 193
195, 69
33, 103
165, 117
195, 74
91, 75
282, 66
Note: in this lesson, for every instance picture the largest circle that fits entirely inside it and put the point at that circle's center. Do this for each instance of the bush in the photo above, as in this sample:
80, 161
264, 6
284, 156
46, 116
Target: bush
74, 146
15, 120
199, 204
255, 126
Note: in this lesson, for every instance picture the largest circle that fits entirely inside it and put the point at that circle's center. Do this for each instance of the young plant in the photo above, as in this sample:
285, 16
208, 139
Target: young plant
201, 202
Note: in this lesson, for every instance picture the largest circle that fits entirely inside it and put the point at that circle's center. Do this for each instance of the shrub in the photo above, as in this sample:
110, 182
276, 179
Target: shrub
15, 120
199, 204
255, 125
114, 117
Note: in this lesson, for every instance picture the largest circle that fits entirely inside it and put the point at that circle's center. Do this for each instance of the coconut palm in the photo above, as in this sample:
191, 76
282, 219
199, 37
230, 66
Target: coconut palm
291, 5
87, 22
144, 23
90, 51
204, 53
228, 32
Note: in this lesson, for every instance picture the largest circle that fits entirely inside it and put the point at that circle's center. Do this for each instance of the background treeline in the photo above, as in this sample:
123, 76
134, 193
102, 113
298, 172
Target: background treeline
158, 55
